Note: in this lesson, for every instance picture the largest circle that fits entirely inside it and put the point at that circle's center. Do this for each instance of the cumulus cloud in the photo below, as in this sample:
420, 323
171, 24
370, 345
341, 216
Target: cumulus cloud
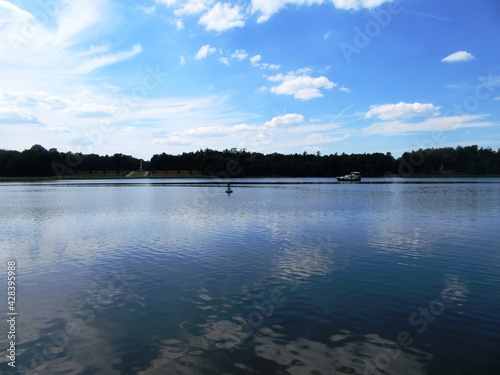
254, 60
239, 54
224, 60
17, 116
172, 140
402, 110
301, 85
358, 4
187, 8
223, 17
270, 66
191, 8
460, 56
285, 120
255, 135
266, 8
430, 124
205, 51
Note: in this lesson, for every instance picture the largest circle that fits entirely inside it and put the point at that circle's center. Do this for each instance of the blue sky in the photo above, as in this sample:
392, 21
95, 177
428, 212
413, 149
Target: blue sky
145, 77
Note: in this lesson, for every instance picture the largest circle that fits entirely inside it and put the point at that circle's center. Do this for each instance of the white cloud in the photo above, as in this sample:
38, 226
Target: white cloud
224, 60
314, 150
56, 129
239, 54
223, 17
430, 124
208, 131
17, 116
205, 51
64, 28
300, 85
86, 109
255, 137
270, 66
285, 120
182, 61
496, 98
22, 102
147, 10
193, 7
358, 4
344, 89
111, 87
266, 8
104, 60
77, 17
317, 137
402, 110
458, 57
11, 14
187, 8
179, 24
254, 60
172, 140
167, 2
28, 35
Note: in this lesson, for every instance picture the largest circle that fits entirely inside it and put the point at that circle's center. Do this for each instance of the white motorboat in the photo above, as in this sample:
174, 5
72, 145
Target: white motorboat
353, 176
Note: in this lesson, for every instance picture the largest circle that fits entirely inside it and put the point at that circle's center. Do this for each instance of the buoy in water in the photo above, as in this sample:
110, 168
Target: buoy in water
229, 190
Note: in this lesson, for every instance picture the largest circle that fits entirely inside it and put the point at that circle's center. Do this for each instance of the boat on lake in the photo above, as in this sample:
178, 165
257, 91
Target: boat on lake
353, 177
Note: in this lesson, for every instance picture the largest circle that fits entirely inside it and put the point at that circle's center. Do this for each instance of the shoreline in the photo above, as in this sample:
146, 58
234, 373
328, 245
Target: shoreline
205, 177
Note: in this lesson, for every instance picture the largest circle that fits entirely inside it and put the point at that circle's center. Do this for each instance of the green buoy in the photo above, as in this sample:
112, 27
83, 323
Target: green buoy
229, 190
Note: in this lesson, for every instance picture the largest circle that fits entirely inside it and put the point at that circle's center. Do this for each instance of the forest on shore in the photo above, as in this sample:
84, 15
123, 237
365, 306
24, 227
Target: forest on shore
41, 162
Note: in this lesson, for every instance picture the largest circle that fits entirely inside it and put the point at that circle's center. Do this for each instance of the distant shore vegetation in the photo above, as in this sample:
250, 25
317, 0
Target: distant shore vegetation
41, 162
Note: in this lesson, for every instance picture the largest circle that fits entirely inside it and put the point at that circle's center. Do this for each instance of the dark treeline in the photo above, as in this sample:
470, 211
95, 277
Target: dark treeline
241, 163
470, 160
40, 162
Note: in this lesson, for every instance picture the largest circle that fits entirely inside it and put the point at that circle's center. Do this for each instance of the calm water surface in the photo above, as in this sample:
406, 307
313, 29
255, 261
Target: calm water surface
176, 277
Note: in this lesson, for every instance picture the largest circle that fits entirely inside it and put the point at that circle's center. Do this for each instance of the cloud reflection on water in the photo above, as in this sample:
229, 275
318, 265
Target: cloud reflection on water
343, 353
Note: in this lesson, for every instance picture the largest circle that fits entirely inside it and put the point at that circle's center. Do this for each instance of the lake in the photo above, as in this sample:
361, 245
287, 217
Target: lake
284, 276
